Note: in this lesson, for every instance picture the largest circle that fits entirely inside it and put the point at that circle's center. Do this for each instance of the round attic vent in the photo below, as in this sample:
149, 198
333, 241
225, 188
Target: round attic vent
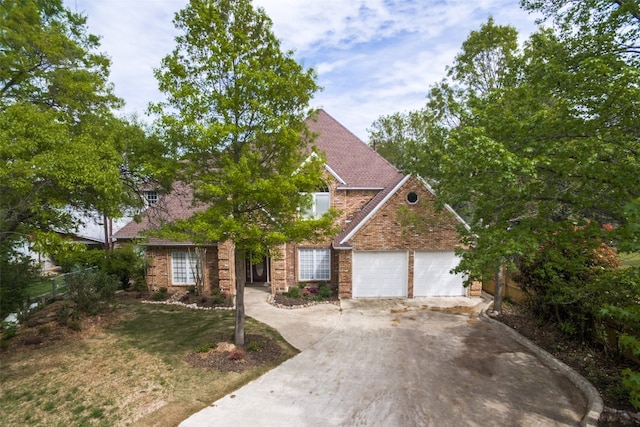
412, 197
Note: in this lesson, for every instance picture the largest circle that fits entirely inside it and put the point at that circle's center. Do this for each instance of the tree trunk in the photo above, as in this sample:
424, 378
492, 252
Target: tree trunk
239, 332
497, 293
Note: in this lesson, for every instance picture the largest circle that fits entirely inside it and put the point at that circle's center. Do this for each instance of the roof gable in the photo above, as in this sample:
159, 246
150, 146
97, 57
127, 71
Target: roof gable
350, 161
178, 204
377, 203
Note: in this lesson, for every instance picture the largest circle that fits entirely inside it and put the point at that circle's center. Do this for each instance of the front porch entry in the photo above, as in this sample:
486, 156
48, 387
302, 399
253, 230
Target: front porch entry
258, 273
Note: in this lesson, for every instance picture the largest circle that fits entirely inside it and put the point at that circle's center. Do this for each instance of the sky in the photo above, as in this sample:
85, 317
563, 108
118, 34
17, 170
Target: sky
372, 57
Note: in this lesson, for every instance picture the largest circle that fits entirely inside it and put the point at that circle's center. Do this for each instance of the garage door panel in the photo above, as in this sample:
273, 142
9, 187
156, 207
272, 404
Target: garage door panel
432, 275
380, 274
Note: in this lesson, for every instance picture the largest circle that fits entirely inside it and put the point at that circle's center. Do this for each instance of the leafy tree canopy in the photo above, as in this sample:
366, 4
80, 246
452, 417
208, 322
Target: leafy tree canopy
539, 138
61, 148
234, 115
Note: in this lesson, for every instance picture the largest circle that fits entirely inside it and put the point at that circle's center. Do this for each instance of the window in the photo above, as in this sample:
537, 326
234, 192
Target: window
183, 266
412, 198
151, 197
320, 203
315, 264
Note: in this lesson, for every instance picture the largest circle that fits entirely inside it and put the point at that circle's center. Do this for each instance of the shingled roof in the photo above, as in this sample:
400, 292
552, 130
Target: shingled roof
176, 205
355, 163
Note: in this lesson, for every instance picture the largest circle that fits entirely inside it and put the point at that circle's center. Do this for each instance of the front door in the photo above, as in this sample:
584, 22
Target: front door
258, 272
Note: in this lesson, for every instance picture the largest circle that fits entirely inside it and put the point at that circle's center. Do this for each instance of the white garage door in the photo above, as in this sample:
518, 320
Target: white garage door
380, 274
431, 277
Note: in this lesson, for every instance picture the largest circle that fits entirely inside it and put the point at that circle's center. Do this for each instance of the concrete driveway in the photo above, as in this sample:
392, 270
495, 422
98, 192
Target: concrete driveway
394, 362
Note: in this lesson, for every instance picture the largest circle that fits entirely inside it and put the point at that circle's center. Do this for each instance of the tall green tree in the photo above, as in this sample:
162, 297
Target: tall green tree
400, 137
62, 150
549, 144
605, 34
552, 149
235, 113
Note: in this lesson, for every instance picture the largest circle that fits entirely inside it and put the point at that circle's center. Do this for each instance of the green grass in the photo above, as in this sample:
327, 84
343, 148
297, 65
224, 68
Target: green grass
629, 259
112, 377
38, 288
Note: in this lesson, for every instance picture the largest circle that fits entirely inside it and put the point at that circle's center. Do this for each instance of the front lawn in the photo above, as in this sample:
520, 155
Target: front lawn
127, 367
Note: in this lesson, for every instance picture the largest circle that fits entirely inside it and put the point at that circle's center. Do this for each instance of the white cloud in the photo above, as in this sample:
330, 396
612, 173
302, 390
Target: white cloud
373, 57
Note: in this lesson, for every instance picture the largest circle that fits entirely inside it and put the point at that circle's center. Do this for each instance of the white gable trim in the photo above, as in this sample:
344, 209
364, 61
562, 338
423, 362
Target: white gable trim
376, 209
334, 174
326, 166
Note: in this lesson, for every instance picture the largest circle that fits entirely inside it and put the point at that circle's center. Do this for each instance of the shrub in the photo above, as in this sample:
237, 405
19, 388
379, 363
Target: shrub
324, 291
161, 295
256, 346
92, 290
203, 348
64, 313
569, 279
127, 264
237, 354
17, 272
293, 292
629, 316
9, 332
80, 259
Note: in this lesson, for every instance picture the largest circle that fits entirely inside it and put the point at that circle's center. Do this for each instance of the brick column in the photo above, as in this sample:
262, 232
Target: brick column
279, 270
475, 289
226, 267
345, 273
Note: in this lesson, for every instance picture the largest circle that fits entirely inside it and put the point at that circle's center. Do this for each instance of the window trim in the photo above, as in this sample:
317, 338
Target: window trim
189, 259
412, 197
151, 197
316, 264
313, 211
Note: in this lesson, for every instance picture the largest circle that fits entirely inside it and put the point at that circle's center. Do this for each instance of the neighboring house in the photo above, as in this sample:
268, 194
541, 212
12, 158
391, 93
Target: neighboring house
393, 241
91, 233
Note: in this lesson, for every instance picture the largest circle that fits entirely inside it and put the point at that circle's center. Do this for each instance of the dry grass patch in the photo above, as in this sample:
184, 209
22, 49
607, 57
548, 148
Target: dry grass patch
129, 369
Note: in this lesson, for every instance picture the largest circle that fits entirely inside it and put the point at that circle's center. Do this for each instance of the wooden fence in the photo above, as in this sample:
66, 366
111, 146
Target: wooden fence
510, 290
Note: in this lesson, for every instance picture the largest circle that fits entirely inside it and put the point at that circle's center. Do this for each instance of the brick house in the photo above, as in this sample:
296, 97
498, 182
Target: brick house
393, 241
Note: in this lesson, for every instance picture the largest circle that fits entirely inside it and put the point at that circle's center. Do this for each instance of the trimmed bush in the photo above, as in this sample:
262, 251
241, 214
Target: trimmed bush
237, 354
293, 292
92, 290
127, 264
324, 291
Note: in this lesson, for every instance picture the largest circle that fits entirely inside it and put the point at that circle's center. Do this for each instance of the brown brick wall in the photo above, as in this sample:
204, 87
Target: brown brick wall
399, 225
279, 269
226, 267
159, 274
345, 270
413, 227
350, 202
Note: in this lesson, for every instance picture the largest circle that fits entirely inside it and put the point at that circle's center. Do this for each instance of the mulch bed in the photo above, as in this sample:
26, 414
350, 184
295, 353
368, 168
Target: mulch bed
589, 360
220, 357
